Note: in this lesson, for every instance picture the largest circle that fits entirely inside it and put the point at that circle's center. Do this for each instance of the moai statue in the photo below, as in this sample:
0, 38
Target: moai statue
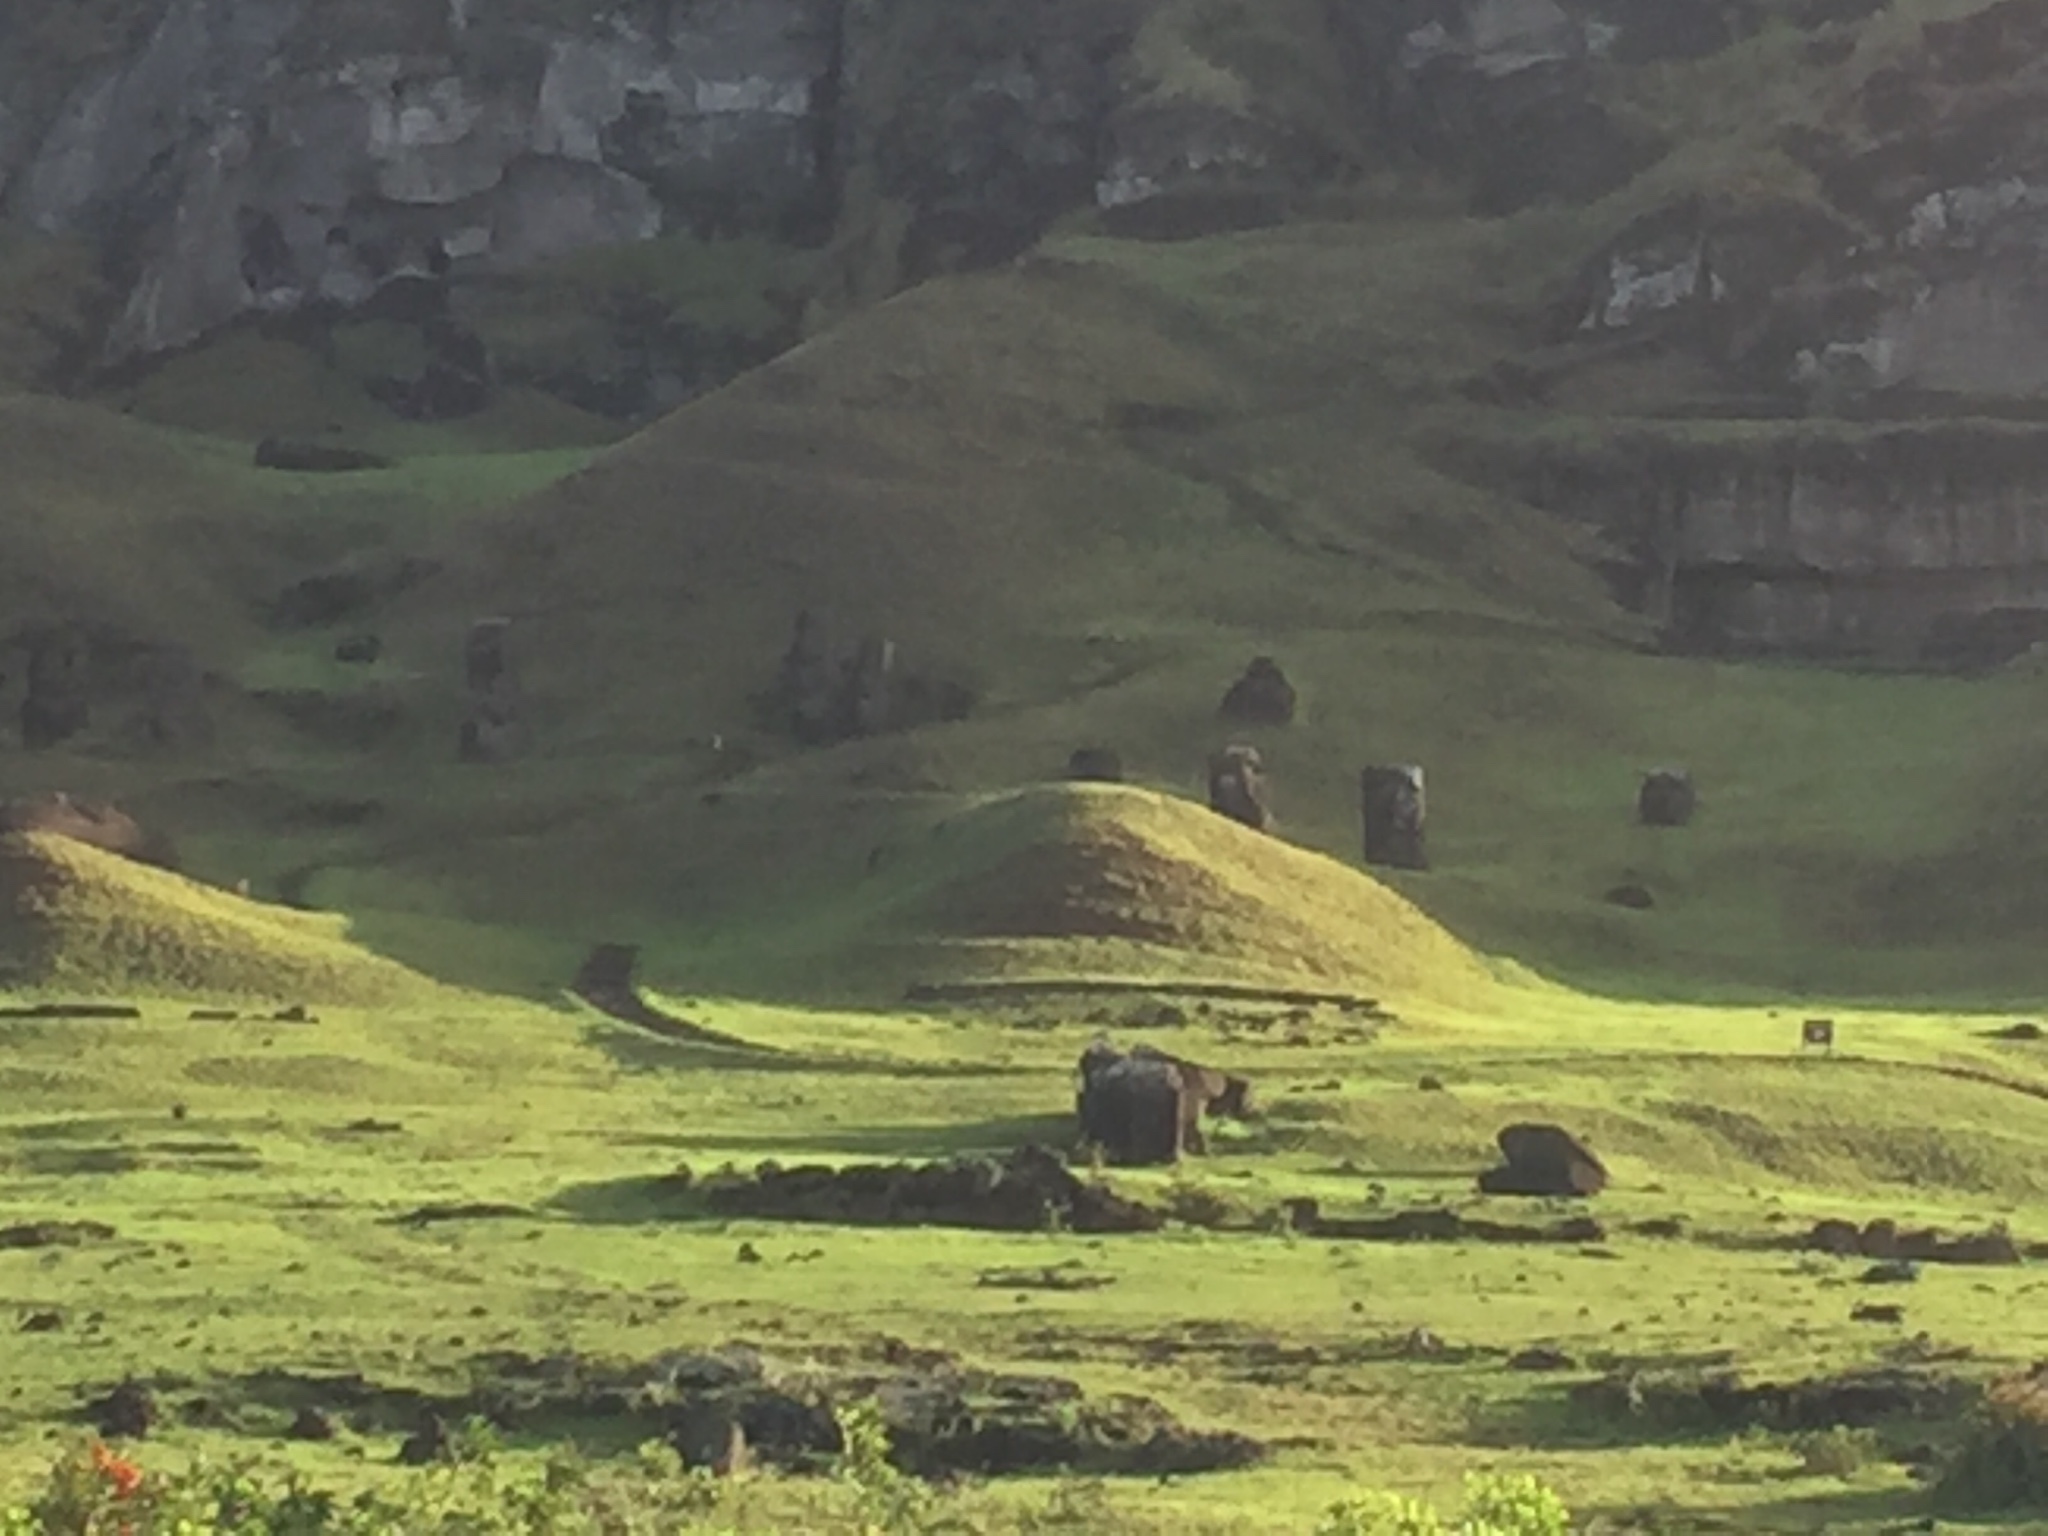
58, 702
1263, 696
1095, 765
1667, 798
1237, 787
491, 720
871, 688
805, 686
1391, 801
173, 712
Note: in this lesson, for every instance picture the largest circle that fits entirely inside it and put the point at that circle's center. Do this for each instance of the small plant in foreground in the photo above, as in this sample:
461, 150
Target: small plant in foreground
1494, 1506
2004, 1461
1837, 1452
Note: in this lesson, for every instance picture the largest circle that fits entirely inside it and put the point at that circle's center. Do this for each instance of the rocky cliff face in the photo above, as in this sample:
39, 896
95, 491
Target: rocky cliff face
262, 155
233, 157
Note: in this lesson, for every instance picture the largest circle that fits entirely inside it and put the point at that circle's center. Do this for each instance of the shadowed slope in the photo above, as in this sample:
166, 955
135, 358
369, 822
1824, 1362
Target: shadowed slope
76, 918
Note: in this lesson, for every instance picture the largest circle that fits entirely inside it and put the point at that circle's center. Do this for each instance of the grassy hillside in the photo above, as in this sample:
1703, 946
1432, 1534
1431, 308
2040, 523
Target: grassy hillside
73, 918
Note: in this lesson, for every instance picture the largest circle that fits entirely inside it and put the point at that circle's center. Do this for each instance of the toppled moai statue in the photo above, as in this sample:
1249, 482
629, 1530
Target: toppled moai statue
1095, 765
1667, 798
58, 703
1544, 1160
1237, 787
1140, 1110
1263, 696
490, 724
1392, 804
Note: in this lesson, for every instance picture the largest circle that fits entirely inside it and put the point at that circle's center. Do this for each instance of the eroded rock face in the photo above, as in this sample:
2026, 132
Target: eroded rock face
261, 155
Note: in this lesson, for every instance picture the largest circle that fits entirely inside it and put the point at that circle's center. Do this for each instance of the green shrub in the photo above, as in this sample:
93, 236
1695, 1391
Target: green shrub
2004, 1460
1494, 1506
1837, 1452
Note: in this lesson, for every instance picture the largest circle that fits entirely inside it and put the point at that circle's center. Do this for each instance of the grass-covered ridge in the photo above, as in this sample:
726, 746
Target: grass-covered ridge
76, 919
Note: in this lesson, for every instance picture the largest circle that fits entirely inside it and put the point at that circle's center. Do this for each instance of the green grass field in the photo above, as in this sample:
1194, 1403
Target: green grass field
256, 1248
1087, 486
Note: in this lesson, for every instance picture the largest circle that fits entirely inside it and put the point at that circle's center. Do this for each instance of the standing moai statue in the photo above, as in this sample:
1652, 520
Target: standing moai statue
491, 717
871, 688
173, 713
1392, 803
1262, 696
58, 702
1095, 765
805, 690
1667, 798
1237, 787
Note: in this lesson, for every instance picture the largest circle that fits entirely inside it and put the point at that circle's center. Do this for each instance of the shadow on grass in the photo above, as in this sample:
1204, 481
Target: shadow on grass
1865, 1509
633, 1051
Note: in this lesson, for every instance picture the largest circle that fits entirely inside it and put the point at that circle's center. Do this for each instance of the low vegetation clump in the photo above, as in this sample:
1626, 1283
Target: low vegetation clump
1494, 1506
476, 1491
2004, 1462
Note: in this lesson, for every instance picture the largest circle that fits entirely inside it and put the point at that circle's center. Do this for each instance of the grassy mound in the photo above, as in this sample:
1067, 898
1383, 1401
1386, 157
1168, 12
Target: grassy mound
78, 919
1122, 883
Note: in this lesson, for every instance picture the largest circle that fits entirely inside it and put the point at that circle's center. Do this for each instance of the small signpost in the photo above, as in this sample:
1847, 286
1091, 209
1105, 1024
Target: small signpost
1818, 1035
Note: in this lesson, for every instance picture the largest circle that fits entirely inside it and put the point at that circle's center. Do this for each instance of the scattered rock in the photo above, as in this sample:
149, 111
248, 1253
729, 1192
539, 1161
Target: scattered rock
1891, 1272
748, 1254
474, 1210
311, 1423
1237, 787
126, 1413
1429, 1083
55, 1234
1877, 1312
1540, 1357
212, 1016
1393, 806
1437, 1224
1031, 1190
1886, 1240
1668, 1227
1422, 1344
1095, 765
1262, 696
1636, 898
315, 458
296, 1014
72, 1011
1051, 1277
1667, 798
42, 1322
372, 1127
1544, 1160
2024, 1031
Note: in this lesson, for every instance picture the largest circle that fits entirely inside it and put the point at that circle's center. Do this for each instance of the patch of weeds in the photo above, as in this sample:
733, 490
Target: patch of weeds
1838, 1451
